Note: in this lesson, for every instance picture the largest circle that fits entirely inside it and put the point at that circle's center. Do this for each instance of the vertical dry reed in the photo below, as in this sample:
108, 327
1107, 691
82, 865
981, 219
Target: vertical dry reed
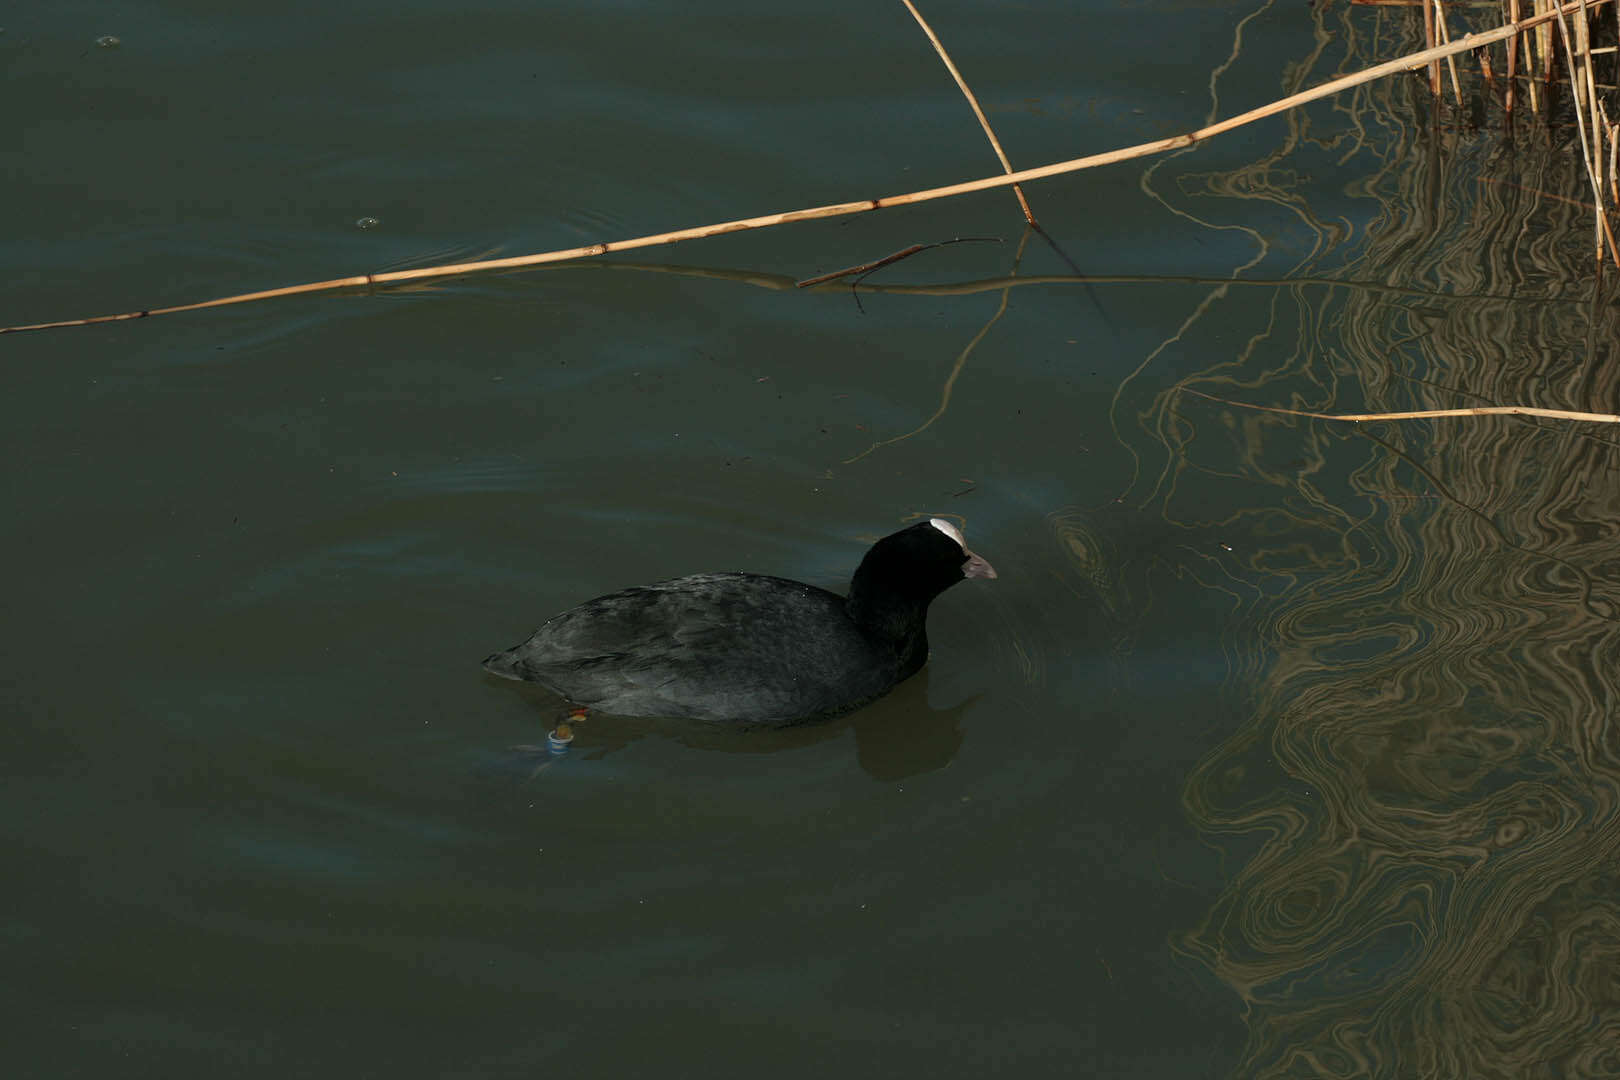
1546, 63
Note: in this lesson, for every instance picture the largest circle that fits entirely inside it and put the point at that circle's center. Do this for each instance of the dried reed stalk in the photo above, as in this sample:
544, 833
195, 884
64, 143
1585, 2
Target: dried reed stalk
1599, 126
1544, 44
995, 143
1513, 55
1451, 61
1594, 166
1584, 90
1533, 48
1422, 414
1614, 175
1429, 43
1156, 146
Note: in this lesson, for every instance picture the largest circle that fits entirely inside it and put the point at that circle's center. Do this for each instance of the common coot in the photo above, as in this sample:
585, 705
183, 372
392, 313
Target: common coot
749, 648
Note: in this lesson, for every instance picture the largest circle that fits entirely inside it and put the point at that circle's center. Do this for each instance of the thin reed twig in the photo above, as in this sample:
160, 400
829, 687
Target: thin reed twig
995, 143
862, 267
860, 206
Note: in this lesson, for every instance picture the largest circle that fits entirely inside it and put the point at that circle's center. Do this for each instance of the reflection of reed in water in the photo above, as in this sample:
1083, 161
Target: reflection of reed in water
1422, 812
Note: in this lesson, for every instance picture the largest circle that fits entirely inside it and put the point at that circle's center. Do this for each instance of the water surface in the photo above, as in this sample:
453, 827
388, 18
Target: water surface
1278, 748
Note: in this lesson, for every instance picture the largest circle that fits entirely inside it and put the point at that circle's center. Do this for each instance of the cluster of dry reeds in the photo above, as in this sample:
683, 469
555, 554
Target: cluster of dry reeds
1553, 57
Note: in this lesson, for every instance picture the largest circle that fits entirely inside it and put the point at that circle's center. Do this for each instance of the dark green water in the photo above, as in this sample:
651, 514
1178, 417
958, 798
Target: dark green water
1278, 748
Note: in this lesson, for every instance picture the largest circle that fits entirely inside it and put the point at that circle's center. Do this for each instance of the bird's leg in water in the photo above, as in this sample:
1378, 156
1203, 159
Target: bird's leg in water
557, 739
563, 733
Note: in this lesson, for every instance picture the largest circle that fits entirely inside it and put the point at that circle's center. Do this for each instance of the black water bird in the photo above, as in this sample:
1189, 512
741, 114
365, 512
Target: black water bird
749, 648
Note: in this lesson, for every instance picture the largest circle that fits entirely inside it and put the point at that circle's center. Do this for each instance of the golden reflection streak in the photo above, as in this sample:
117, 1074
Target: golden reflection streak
956, 367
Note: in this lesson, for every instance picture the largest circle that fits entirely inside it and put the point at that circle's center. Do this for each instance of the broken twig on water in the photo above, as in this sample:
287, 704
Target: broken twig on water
903, 253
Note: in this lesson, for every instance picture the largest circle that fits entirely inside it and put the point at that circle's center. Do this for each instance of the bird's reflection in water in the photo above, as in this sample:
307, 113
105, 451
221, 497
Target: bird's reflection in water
897, 736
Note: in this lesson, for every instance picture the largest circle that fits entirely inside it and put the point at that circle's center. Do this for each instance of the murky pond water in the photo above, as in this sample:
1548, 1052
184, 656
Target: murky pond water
1280, 747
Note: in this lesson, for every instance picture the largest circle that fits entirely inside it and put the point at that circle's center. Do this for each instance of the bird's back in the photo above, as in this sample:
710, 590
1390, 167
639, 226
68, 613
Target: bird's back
731, 647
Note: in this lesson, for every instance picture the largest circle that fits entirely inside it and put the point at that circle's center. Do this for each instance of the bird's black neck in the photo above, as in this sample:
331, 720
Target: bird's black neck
891, 618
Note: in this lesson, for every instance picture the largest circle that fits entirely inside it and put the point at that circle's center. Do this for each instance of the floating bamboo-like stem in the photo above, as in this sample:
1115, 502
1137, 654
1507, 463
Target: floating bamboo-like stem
1421, 414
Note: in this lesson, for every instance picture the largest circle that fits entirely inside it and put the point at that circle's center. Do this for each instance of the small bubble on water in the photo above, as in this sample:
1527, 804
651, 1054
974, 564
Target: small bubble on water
107, 41
367, 223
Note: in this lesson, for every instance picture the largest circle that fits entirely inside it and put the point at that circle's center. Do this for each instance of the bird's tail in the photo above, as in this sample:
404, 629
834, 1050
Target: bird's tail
503, 664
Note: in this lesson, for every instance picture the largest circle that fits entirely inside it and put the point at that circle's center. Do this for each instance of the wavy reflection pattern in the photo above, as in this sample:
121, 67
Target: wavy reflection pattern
1421, 812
